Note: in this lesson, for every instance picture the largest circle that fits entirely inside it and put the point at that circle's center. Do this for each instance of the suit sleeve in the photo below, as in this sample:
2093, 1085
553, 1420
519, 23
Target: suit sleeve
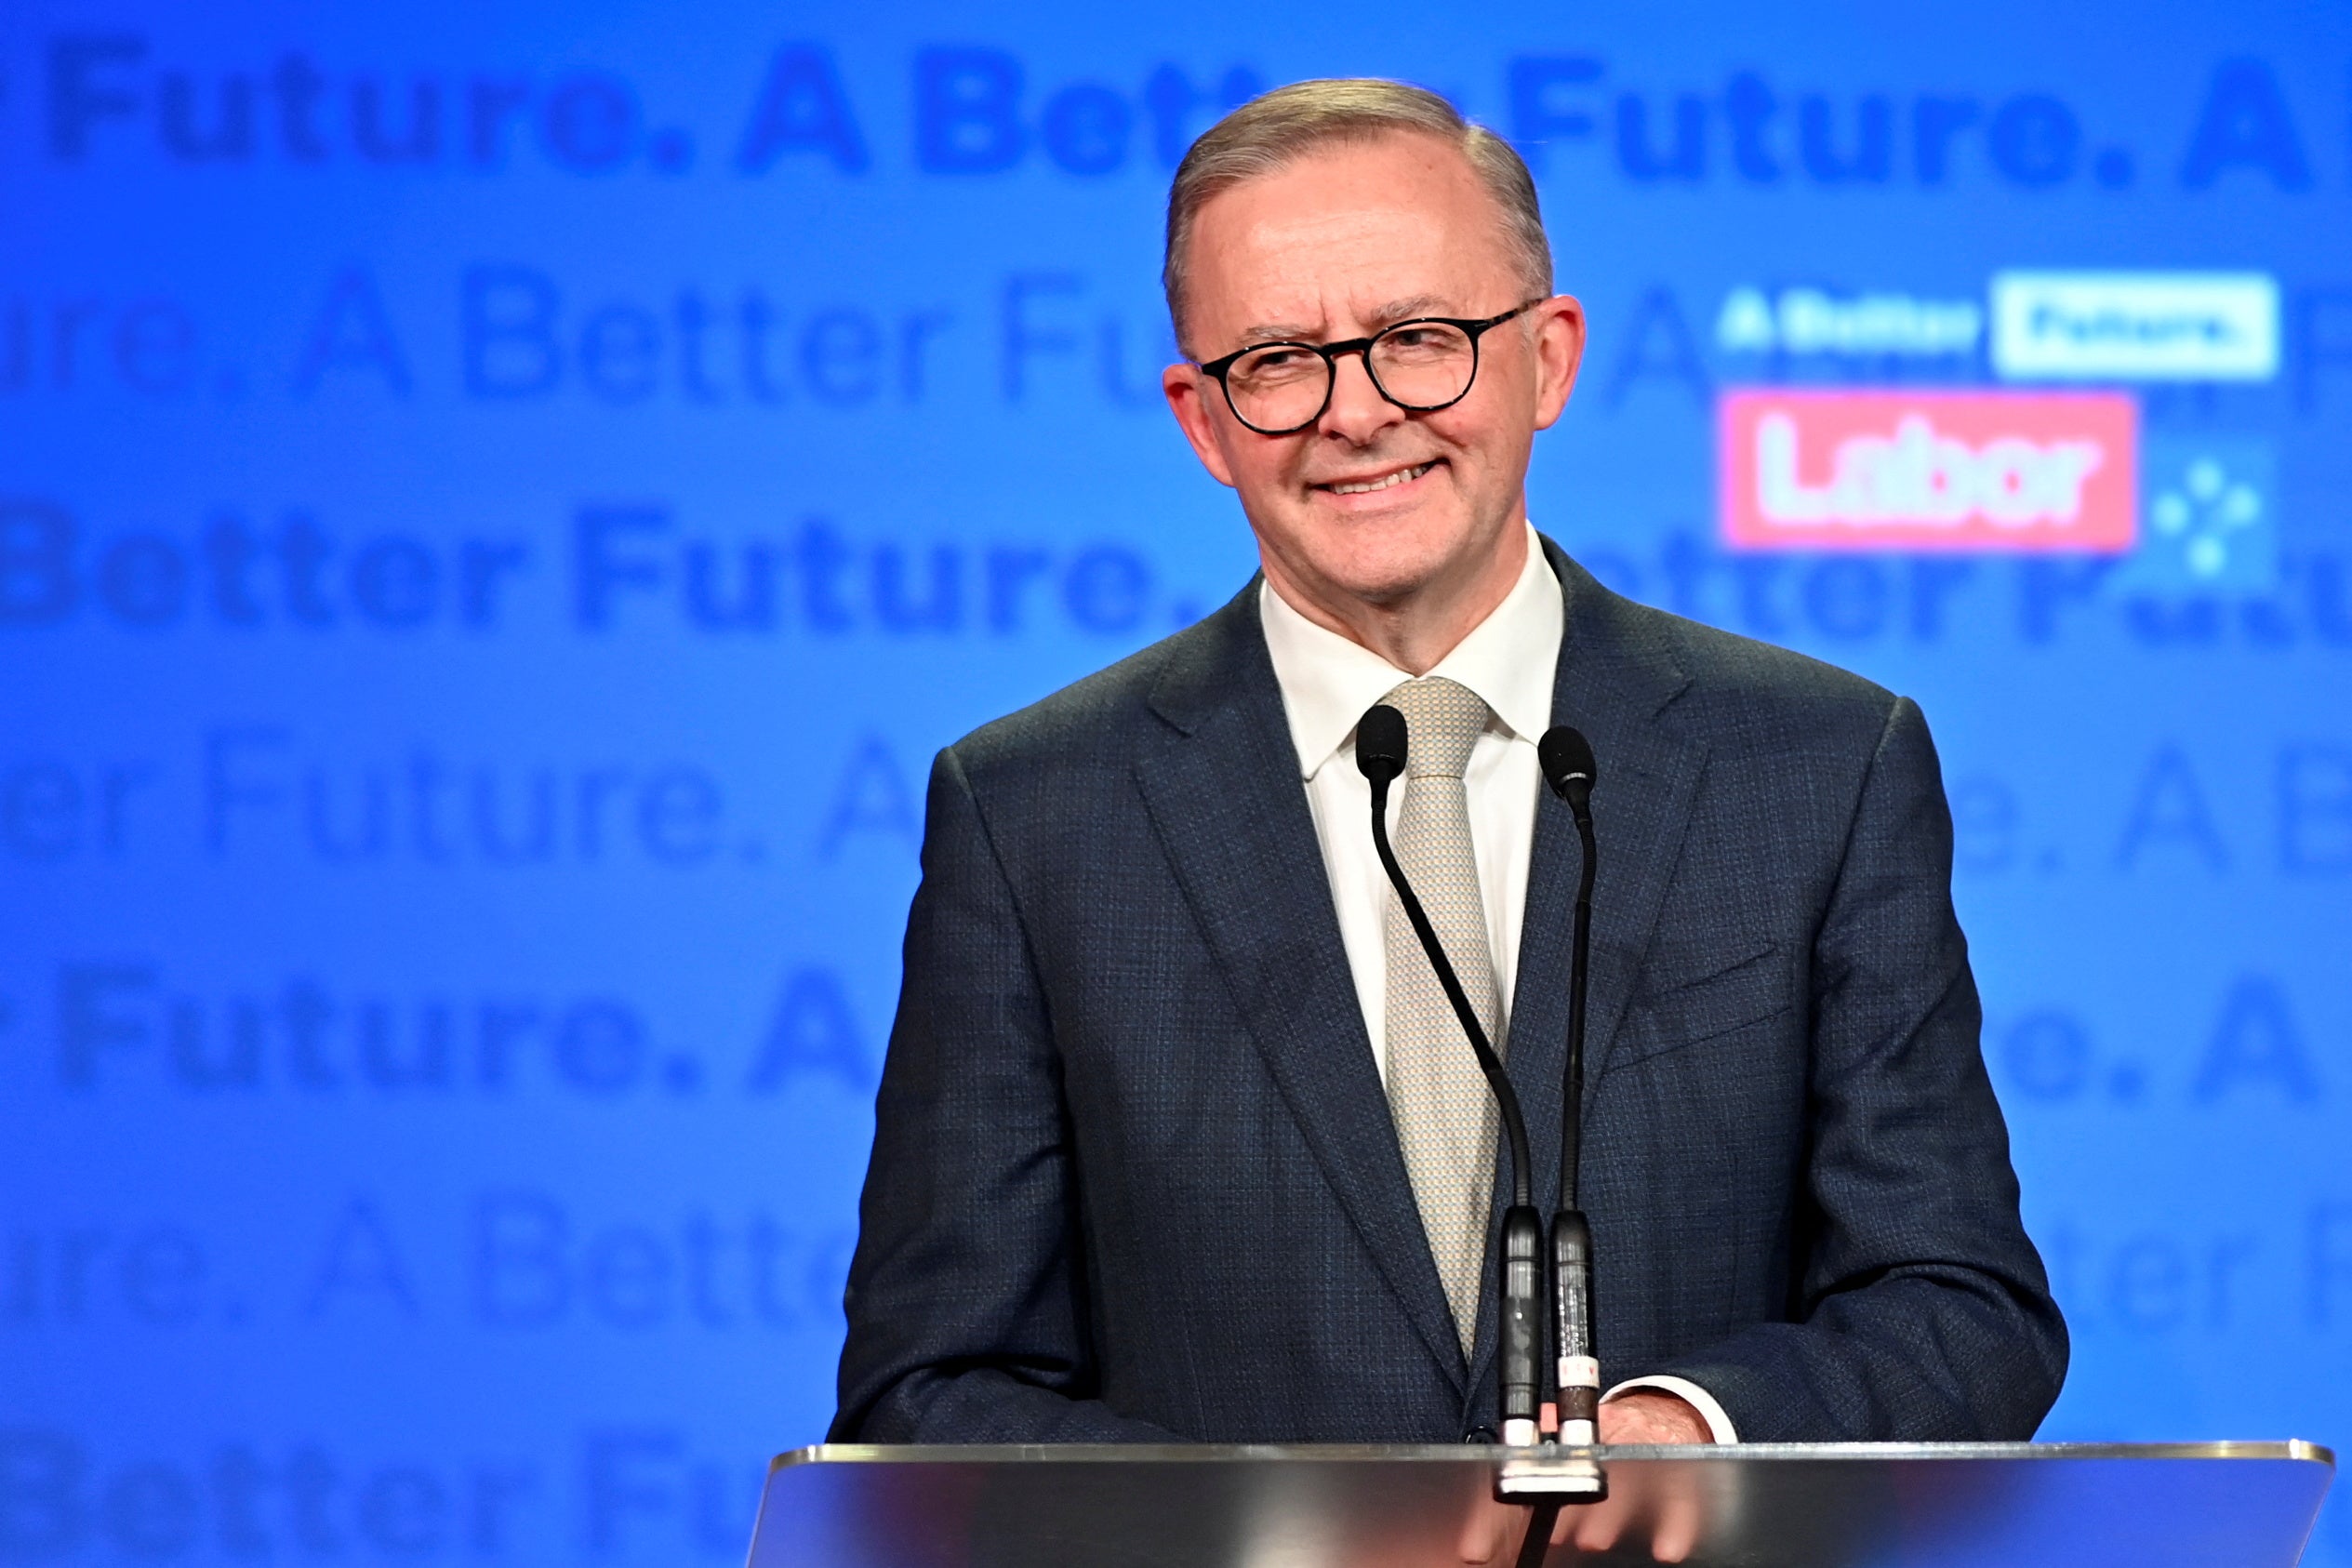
967, 1316
1919, 1309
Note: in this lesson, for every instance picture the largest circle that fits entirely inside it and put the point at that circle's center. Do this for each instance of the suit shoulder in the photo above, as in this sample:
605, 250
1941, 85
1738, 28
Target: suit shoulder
1770, 695
1094, 720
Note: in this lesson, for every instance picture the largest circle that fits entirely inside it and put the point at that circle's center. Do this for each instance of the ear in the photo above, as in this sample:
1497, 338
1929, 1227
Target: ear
1560, 350
1188, 393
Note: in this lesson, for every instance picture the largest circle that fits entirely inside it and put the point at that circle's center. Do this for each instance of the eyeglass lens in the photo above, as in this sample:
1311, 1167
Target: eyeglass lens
1419, 365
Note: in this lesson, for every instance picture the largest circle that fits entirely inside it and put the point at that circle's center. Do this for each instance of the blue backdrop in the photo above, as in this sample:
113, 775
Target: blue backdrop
499, 505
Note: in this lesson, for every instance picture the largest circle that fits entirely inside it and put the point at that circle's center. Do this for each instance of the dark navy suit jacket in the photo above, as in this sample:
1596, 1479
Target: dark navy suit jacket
1133, 1172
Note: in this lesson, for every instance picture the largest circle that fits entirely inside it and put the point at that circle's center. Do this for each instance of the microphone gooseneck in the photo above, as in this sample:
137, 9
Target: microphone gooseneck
1381, 748
1567, 761
1569, 768
1380, 753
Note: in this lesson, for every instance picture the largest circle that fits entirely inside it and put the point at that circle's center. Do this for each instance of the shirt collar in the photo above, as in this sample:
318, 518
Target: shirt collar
1508, 659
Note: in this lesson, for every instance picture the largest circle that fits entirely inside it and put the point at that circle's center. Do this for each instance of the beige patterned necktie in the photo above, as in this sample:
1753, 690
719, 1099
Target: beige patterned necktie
1444, 1112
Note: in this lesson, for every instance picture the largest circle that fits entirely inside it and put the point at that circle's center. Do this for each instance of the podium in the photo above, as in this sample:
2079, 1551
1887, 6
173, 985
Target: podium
2218, 1505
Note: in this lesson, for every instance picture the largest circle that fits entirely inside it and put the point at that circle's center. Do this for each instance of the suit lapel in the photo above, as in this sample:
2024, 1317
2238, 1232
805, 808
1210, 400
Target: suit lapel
1617, 677
1615, 681
1223, 791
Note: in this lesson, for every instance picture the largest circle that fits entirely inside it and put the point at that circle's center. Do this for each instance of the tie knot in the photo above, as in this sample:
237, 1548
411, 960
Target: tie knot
1443, 721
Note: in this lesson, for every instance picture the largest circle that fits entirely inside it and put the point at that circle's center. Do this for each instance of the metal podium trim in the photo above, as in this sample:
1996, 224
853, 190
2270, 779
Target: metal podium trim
1780, 1505
1180, 1453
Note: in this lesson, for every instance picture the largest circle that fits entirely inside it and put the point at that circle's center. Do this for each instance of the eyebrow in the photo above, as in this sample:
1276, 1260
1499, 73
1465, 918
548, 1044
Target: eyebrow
1387, 315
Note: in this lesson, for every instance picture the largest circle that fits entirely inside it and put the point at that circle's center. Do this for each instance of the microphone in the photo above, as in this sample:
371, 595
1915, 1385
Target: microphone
1567, 761
1566, 758
1381, 743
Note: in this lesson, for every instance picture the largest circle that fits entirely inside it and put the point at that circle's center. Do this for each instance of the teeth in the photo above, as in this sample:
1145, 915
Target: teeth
1400, 477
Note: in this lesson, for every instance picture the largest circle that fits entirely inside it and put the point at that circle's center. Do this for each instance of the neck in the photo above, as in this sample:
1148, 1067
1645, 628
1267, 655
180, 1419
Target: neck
1415, 630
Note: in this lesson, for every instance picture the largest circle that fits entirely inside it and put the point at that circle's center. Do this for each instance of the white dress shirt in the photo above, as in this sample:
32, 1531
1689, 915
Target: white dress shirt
1508, 658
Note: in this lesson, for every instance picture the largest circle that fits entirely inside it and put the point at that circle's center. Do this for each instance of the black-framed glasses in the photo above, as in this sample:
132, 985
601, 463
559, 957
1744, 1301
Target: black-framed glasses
1421, 365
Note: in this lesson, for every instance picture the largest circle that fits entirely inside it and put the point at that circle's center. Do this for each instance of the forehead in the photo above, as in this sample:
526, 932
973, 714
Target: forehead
1326, 243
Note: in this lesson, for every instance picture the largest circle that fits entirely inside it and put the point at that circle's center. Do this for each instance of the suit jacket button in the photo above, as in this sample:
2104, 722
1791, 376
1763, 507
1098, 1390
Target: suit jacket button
1483, 1435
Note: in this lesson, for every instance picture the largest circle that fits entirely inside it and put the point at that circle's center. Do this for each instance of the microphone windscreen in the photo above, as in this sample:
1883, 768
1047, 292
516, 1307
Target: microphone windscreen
1380, 742
1566, 757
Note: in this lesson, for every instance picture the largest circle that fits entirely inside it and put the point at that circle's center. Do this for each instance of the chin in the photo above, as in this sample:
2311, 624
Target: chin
1386, 577
1379, 559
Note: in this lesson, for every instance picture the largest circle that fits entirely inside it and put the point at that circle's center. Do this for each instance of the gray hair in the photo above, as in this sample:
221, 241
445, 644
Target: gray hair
1275, 129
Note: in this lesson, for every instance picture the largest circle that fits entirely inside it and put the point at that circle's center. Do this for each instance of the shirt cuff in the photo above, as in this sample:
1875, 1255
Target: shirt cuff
1718, 1422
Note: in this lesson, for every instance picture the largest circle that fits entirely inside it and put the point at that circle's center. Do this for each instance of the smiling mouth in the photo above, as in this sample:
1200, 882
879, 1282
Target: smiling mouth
1385, 481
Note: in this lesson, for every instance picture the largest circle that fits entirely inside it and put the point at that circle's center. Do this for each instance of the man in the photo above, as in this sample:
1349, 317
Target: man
1176, 1137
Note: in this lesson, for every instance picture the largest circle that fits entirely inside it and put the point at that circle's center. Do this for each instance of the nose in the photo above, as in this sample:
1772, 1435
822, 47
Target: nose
1357, 413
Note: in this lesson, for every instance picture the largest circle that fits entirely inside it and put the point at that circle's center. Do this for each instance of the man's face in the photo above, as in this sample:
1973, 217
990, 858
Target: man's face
1370, 503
